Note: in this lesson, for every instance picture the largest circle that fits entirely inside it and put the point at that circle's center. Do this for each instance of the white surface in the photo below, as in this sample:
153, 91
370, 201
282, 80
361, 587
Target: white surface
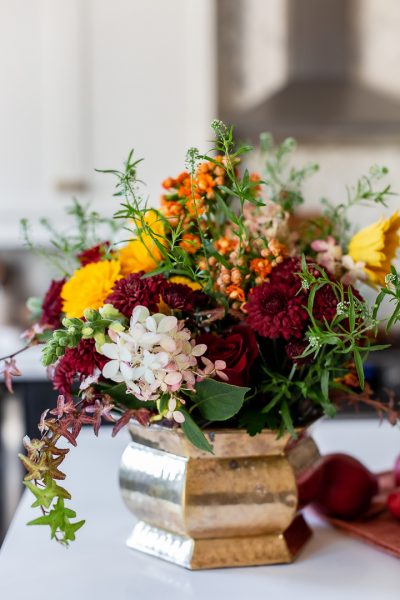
100, 566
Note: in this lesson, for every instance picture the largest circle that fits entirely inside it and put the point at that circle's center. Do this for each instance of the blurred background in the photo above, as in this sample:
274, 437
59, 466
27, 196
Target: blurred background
84, 81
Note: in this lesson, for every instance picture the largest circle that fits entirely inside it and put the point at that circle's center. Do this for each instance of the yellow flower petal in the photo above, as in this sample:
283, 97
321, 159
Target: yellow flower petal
89, 287
185, 281
376, 246
142, 253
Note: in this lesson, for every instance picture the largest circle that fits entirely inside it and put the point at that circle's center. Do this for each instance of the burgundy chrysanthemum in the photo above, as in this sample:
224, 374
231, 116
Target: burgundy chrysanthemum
52, 305
179, 296
275, 311
294, 349
287, 270
76, 363
133, 290
325, 303
94, 254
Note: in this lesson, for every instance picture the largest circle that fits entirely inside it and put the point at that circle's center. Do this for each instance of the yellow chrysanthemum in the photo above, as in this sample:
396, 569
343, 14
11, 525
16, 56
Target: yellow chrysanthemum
89, 287
143, 254
185, 281
376, 246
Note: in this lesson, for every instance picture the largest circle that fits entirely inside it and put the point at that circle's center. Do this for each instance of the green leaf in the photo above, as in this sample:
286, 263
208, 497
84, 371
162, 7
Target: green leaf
352, 313
287, 419
218, 401
377, 347
45, 495
325, 384
194, 434
254, 421
359, 367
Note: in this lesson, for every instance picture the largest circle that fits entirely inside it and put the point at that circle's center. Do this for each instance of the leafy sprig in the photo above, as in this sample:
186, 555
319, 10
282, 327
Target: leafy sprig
284, 182
88, 228
391, 293
367, 191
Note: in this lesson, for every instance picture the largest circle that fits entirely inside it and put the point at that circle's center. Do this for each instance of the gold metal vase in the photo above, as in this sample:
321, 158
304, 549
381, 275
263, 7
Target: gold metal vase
236, 507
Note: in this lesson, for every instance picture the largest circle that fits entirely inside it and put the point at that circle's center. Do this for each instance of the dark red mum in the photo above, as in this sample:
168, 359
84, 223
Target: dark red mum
179, 296
134, 290
238, 348
52, 305
77, 363
94, 254
275, 311
294, 349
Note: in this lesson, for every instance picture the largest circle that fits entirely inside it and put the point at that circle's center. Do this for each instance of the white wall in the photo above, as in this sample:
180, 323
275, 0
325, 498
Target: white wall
84, 81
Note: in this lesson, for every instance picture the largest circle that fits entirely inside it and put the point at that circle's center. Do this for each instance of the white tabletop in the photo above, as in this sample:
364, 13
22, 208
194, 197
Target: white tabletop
99, 566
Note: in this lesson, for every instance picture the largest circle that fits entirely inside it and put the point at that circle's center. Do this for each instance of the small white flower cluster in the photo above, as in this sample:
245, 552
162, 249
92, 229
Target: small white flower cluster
314, 342
219, 127
192, 160
156, 355
342, 308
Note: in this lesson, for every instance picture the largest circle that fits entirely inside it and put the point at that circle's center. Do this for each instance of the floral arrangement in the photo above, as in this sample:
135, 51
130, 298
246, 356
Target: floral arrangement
222, 307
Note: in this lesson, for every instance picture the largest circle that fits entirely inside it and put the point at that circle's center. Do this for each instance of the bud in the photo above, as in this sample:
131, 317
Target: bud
109, 312
117, 326
89, 314
58, 335
87, 332
100, 339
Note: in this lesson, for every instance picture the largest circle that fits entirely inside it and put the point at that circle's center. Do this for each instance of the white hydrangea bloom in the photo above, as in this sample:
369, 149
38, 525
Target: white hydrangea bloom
155, 355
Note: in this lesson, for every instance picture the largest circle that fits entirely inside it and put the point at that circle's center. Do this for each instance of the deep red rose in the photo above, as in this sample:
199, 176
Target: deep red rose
94, 254
52, 305
238, 349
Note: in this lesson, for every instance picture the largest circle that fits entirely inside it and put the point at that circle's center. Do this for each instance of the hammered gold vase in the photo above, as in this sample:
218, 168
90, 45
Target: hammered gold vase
236, 507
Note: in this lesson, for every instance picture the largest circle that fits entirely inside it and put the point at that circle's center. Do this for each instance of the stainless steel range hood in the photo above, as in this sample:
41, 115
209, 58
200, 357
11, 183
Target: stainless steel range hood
323, 100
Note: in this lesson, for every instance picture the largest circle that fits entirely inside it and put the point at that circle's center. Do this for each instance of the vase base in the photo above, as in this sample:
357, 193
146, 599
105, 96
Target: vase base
221, 552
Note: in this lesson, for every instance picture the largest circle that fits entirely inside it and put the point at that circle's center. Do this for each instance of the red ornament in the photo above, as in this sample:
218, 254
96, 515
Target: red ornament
347, 487
393, 504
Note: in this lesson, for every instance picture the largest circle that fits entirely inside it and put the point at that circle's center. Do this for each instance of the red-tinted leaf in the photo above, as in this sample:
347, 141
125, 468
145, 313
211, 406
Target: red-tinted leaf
64, 407
141, 415
10, 370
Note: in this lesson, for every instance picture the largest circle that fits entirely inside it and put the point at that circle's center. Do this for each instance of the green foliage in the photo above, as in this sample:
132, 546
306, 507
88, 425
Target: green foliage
367, 191
47, 493
94, 326
88, 228
254, 421
218, 401
194, 434
283, 182
390, 293
134, 208
59, 521
347, 336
